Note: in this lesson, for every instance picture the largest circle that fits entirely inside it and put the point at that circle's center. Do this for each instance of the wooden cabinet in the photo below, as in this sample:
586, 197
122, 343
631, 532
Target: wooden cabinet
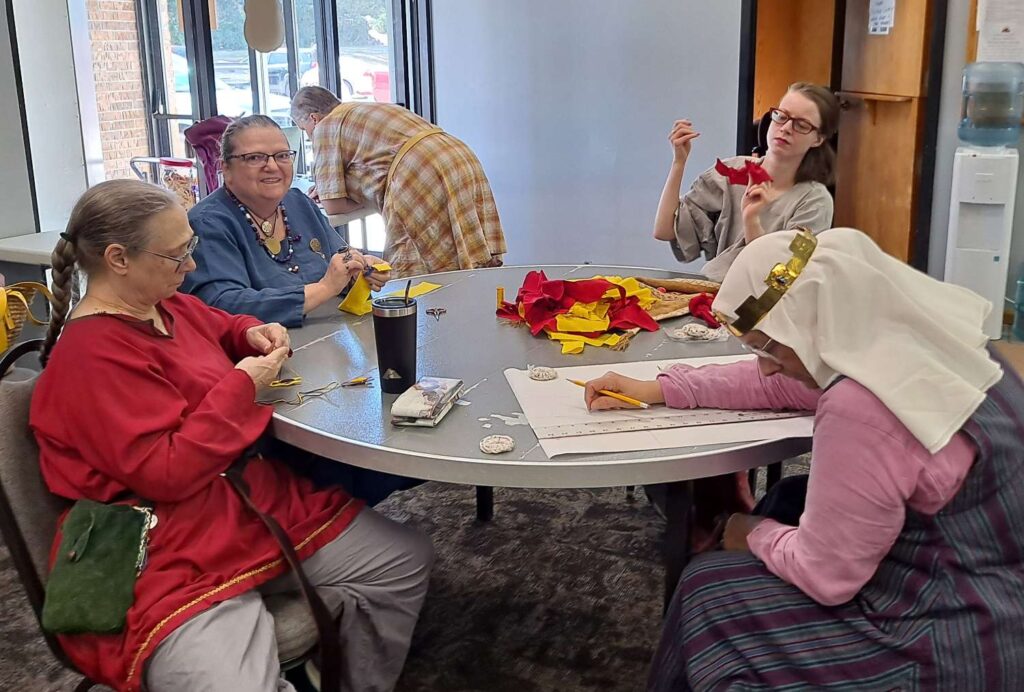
893, 63
876, 190
883, 95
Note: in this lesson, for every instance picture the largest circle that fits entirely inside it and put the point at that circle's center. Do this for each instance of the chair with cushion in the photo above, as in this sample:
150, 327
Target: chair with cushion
29, 514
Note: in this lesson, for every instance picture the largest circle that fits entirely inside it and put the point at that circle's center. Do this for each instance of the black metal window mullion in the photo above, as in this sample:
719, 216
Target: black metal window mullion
421, 53
325, 15
291, 42
152, 60
399, 42
199, 52
254, 83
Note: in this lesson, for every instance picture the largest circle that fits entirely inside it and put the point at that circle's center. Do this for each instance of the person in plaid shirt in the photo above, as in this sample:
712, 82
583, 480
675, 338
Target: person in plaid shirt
429, 186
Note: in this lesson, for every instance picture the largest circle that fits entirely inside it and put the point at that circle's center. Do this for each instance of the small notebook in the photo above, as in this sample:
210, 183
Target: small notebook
426, 402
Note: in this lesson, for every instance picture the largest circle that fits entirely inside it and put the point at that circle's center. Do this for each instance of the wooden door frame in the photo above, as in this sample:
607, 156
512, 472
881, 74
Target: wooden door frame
936, 49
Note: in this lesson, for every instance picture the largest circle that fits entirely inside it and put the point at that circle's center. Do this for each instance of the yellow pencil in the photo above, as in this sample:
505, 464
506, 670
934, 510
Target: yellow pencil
615, 395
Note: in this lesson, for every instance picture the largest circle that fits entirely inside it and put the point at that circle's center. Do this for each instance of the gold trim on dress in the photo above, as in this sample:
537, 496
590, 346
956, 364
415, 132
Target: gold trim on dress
226, 585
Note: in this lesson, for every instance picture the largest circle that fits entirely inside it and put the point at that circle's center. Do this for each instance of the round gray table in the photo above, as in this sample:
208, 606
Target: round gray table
352, 424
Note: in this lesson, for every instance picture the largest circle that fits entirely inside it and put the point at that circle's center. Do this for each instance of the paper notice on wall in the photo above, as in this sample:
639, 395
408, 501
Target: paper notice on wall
1001, 31
881, 17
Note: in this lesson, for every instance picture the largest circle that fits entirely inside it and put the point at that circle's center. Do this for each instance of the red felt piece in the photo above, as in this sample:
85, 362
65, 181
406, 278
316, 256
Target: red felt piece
542, 300
751, 172
700, 307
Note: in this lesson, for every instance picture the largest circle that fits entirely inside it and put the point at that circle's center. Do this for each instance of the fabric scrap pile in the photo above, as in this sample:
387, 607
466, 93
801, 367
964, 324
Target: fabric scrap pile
583, 312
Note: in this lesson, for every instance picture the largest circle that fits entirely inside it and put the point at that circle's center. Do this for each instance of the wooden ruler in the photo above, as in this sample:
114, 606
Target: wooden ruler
683, 419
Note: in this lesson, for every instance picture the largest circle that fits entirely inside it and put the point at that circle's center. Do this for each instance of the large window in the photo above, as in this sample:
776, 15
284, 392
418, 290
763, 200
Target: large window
353, 47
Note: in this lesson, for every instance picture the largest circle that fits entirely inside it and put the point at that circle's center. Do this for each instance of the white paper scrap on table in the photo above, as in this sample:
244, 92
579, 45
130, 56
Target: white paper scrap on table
560, 402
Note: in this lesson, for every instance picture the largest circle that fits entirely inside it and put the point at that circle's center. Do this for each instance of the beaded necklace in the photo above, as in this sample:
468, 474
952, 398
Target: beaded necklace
264, 241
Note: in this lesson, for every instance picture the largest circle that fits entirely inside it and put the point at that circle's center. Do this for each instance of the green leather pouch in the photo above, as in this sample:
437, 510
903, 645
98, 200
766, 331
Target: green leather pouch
92, 583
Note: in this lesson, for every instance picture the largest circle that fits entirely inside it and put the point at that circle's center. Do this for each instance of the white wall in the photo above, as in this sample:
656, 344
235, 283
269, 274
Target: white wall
15, 190
568, 104
51, 105
949, 118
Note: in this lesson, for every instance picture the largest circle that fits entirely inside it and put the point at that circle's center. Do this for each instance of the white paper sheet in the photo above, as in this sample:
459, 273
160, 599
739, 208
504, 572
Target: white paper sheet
1001, 31
881, 16
560, 402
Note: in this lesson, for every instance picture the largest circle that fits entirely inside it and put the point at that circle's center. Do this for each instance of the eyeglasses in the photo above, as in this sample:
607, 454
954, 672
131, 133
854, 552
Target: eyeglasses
258, 159
781, 117
762, 352
179, 261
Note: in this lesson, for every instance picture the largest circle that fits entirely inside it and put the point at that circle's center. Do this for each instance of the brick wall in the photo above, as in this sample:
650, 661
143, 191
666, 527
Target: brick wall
117, 72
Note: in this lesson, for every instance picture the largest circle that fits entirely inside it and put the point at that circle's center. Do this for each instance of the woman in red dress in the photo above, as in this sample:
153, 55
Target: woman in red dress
150, 395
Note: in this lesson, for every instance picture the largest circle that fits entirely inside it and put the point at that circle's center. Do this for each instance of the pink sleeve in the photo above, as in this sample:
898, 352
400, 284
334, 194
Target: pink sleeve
861, 477
734, 386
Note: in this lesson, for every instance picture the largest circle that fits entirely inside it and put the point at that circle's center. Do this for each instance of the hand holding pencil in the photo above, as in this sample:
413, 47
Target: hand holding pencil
615, 391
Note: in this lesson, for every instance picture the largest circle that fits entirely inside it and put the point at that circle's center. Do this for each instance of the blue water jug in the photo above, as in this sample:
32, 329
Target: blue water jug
993, 104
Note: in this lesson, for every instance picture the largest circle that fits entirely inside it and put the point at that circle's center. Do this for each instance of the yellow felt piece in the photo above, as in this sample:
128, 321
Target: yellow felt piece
418, 290
357, 302
574, 343
633, 288
567, 323
382, 267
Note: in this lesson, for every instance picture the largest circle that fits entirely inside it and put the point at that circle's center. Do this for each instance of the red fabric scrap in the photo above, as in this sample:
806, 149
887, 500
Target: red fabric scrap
543, 300
700, 307
750, 172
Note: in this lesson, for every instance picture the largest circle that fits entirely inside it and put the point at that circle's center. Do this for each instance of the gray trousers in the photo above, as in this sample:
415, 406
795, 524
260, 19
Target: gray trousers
378, 569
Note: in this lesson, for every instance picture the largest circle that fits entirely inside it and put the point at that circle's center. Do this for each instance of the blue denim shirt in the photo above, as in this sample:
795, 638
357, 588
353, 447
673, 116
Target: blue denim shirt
236, 274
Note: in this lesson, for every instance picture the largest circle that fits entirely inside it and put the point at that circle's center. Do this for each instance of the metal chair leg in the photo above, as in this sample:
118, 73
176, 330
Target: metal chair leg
484, 502
774, 475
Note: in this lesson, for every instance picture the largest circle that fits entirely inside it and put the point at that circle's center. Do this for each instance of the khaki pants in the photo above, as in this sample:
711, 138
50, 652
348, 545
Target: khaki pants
377, 569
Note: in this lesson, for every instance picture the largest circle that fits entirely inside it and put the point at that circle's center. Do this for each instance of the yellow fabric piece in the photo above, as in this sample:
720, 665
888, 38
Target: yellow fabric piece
418, 290
568, 323
633, 288
574, 343
357, 302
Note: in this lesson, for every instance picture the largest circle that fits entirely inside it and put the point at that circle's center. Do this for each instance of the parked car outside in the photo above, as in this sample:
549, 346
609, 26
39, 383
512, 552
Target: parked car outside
231, 101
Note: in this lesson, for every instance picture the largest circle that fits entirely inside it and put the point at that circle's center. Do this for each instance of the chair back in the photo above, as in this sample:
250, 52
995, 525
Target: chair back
28, 510
204, 137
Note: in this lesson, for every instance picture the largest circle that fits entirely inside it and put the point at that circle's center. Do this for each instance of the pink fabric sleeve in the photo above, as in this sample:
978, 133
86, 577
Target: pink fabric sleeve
734, 386
861, 478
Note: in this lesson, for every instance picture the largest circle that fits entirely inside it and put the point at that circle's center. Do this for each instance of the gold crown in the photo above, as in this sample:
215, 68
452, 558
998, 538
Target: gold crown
779, 280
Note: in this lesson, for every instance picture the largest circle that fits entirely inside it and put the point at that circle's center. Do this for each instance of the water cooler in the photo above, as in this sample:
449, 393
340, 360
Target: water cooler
981, 225
985, 184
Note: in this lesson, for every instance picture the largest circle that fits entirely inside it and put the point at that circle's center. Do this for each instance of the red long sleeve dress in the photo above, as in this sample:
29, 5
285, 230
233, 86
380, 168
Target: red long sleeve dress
123, 410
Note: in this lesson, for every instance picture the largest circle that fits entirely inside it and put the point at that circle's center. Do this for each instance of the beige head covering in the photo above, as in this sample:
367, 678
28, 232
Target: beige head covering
916, 343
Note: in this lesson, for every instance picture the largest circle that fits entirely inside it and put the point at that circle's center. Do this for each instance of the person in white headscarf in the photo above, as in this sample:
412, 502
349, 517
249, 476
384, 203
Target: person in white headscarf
897, 563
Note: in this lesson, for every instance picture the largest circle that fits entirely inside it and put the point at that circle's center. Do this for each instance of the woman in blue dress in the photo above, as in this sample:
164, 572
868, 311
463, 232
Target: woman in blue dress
266, 249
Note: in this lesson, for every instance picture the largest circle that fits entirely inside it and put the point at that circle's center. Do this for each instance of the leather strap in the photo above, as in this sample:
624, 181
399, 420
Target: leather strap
330, 640
409, 144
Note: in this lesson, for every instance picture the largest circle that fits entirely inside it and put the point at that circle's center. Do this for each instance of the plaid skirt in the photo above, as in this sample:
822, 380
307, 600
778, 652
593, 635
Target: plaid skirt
440, 212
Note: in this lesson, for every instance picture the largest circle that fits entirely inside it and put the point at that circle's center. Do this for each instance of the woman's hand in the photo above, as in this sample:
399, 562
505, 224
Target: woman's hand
648, 391
680, 137
342, 269
313, 194
264, 338
737, 529
377, 279
263, 370
755, 199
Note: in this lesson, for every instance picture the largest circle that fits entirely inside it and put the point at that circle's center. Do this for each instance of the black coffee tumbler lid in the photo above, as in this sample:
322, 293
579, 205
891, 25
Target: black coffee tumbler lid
393, 306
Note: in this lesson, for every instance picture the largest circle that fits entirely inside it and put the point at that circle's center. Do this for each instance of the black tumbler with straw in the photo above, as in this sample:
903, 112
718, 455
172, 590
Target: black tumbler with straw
394, 330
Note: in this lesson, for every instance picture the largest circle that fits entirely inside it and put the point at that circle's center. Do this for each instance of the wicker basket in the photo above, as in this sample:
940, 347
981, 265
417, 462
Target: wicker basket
14, 304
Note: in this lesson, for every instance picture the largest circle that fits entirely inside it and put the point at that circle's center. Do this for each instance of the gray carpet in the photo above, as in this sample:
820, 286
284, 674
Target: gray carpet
561, 591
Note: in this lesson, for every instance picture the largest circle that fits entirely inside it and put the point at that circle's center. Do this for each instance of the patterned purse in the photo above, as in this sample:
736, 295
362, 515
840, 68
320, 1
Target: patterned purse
14, 306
